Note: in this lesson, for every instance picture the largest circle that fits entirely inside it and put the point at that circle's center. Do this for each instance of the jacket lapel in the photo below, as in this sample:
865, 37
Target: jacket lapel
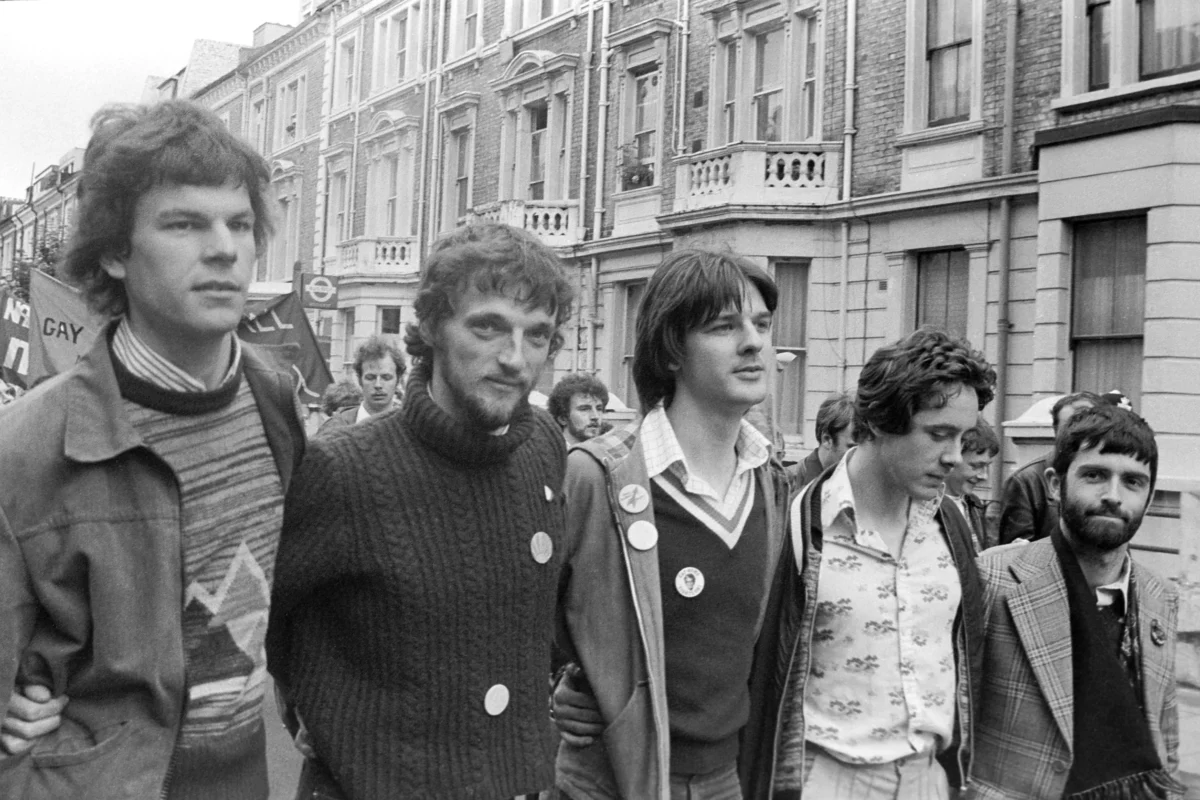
1157, 664
1043, 622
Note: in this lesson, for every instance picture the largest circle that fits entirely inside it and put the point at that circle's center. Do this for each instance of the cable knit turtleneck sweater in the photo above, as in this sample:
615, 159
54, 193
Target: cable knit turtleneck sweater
407, 590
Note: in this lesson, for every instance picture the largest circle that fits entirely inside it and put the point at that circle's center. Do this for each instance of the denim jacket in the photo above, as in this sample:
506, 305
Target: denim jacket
91, 583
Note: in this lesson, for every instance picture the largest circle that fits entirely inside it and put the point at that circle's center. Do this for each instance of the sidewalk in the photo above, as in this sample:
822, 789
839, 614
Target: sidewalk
1189, 740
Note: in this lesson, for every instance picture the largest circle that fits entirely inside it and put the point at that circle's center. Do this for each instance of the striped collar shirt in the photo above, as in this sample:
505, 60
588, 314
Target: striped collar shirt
144, 363
667, 466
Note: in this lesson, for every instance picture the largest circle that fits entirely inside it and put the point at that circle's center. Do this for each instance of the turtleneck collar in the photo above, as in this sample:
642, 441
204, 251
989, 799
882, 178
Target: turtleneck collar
454, 439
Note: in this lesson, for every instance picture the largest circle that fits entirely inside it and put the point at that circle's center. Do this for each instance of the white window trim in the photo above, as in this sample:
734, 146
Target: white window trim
344, 95
394, 137
300, 81
456, 114
459, 49
739, 27
1123, 80
335, 232
551, 81
382, 77
638, 49
916, 71
514, 17
287, 182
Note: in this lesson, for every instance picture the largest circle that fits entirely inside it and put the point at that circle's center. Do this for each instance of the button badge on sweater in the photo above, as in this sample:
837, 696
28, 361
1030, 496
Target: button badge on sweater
496, 700
633, 498
542, 547
549, 494
643, 535
689, 582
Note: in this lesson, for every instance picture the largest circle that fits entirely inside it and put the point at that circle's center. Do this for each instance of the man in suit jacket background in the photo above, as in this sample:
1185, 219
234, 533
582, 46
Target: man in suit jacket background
1079, 675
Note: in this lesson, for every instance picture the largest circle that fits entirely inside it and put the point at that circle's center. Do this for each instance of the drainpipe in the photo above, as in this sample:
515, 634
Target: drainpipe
849, 94
602, 123
587, 108
1005, 246
685, 34
432, 159
593, 322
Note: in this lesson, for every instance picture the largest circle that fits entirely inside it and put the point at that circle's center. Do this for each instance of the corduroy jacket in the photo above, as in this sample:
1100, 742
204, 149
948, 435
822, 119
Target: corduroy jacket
91, 580
611, 622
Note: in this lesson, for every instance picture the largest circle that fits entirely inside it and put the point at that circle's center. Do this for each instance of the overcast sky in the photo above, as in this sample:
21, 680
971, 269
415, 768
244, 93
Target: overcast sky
60, 60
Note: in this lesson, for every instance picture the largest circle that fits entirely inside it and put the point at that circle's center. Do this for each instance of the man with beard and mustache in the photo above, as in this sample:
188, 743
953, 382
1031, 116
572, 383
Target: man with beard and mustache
577, 403
415, 585
1078, 695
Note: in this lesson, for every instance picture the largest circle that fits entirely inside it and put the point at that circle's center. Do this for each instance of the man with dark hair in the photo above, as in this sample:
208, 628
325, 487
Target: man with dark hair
835, 435
413, 611
886, 665
979, 447
577, 403
675, 533
143, 489
1078, 698
380, 368
1026, 507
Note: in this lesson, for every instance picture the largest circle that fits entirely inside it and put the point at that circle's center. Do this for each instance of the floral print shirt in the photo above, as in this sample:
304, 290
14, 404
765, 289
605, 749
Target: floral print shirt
881, 684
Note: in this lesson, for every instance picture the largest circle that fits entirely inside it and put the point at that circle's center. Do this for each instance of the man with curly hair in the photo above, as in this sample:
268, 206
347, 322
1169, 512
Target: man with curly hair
577, 403
143, 489
887, 661
416, 581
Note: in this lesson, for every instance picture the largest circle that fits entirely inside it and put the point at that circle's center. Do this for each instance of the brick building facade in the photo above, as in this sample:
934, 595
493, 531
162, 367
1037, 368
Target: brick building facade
1021, 172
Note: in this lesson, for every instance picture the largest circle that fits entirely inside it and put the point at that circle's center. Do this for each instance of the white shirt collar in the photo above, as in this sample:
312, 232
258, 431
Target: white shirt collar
662, 449
1109, 592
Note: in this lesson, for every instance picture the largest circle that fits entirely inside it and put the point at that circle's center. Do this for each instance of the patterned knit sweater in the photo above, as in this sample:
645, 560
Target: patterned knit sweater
231, 508
407, 591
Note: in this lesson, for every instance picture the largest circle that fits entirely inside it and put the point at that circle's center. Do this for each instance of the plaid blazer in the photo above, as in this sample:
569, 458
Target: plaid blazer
1025, 734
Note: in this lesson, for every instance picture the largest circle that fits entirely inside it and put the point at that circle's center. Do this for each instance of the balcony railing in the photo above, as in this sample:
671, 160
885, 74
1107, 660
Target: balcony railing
386, 255
758, 173
555, 222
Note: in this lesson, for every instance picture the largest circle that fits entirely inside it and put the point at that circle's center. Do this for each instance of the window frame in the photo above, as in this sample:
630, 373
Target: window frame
528, 81
294, 87
918, 69
795, 308
1125, 75
388, 71
734, 72
345, 75
1124, 230
466, 29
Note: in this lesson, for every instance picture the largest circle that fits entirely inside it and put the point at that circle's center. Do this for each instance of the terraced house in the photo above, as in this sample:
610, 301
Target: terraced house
1024, 172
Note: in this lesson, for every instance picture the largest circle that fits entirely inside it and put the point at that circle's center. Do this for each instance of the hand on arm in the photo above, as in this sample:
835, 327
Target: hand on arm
32, 713
574, 708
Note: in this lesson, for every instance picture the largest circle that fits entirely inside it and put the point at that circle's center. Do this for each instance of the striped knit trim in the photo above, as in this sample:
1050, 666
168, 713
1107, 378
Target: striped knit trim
728, 527
144, 363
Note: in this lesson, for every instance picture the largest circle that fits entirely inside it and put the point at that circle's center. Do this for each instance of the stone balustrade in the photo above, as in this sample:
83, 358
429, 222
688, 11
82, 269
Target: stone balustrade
758, 173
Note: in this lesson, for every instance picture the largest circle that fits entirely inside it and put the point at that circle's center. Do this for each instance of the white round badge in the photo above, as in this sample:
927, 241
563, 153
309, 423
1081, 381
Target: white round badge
496, 700
542, 547
549, 494
689, 582
643, 535
633, 498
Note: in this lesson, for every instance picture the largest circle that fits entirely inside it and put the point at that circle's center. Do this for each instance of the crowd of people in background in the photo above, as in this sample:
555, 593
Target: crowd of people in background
461, 595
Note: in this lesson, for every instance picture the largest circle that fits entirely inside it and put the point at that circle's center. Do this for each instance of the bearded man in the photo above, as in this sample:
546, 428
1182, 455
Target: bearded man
1078, 695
